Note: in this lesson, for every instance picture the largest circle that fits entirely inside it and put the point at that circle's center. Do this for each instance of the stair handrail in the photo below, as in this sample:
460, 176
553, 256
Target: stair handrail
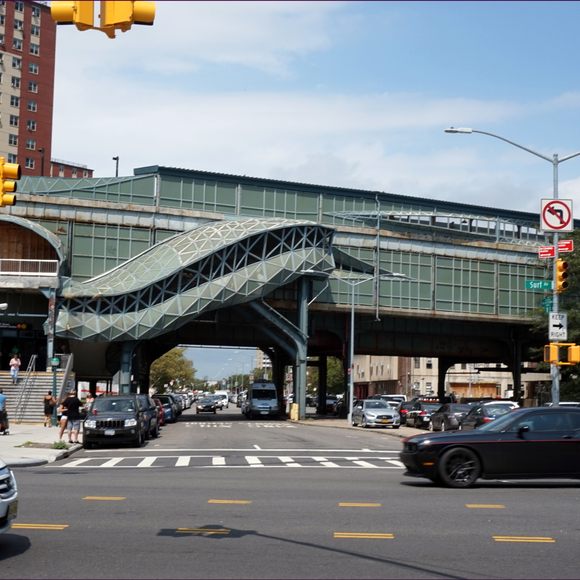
25, 390
62, 391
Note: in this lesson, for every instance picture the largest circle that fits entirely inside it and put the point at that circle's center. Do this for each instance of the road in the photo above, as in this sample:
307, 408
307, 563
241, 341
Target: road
223, 497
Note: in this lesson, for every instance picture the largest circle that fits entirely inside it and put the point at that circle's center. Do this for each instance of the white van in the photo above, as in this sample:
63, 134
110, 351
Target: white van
261, 400
224, 399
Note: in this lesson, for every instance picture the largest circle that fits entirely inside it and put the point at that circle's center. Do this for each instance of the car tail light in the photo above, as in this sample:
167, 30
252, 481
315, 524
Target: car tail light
403, 411
487, 419
423, 413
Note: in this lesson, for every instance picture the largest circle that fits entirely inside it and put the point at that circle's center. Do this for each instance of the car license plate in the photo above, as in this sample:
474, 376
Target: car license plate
386, 421
109, 432
12, 510
263, 412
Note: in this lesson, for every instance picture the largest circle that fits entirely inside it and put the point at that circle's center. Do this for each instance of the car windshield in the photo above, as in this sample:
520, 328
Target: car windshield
113, 405
263, 394
430, 406
457, 408
207, 401
497, 410
376, 404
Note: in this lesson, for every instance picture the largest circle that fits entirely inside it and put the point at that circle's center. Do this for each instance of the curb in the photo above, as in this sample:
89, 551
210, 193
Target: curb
29, 462
390, 432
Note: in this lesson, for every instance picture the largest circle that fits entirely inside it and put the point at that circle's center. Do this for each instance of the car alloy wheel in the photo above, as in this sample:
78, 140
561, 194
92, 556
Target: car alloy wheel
459, 467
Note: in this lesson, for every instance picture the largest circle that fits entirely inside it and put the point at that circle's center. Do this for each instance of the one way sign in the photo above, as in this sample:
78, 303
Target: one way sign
558, 326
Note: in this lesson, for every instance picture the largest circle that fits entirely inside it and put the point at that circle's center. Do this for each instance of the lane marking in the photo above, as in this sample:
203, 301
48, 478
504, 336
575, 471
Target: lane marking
485, 506
324, 461
230, 501
104, 498
289, 461
395, 462
254, 461
358, 504
364, 463
51, 527
243, 449
112, 462
204, 531
76, 462
183, 461
218, 460
528, 539
147, 462
364, 535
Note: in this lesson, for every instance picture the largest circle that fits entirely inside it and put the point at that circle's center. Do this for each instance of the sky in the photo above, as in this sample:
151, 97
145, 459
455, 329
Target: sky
353, 94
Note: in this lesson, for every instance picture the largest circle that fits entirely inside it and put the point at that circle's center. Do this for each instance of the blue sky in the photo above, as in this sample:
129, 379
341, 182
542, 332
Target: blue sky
353, 94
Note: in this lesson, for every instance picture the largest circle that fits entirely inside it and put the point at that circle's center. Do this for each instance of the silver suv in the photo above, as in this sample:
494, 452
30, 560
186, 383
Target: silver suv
8, 497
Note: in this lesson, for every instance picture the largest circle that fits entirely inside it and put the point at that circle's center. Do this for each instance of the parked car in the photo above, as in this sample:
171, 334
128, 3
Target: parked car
169, 407
375, 413
114, 419
149, 408
485, 413
331, 403
206, 405
404, 409
8, 497
535, 442
564, 404
419, 416
448, 416
388, 397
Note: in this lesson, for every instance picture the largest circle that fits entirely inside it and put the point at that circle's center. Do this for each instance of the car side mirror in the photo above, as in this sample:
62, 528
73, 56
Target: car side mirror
523, 429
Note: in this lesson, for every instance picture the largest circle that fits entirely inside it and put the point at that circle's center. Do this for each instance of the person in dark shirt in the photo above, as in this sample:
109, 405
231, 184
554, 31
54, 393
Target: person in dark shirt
71, 408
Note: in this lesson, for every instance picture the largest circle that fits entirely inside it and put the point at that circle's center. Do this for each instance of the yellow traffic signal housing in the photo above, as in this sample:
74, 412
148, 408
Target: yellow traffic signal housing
81, 13
562, 283
9, 174
574, 354
551, 352
122, 14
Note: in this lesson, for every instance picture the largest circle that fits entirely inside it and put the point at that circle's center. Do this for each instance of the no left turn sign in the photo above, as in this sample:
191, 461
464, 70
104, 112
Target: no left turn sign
556, 215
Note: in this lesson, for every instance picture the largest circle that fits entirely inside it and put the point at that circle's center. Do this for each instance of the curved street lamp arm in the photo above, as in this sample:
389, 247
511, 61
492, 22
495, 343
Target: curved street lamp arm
569, 157
519, 146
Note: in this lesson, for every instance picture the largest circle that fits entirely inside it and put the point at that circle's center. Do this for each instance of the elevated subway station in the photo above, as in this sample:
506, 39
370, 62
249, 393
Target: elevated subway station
118, 271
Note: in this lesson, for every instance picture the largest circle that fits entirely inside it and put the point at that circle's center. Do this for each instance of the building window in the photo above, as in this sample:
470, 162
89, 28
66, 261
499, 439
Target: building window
74, 172
429, 363
85, 173
31, 125
18, 24
17, 44
12, 139
463, 366
34, 48
2, 19
61, 170
33, 86
12, 158
29, 164
14, 101
19, 6
416, 362
32, 106
33, 68
1, 36
31, 144
36, 12
14, 120
16, 62
35, 30
15, 82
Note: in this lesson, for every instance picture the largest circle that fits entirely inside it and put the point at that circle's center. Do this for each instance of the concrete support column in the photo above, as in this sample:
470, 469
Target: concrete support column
517, 370
322, 386
301, 351
127, 350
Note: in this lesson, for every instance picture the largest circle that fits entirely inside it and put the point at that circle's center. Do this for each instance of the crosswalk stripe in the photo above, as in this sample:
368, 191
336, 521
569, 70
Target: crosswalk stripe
183, 461
254, 461
395, 462
289, 461
147, 462
364, 463
325, 462
112, 462
218, 460
76, 462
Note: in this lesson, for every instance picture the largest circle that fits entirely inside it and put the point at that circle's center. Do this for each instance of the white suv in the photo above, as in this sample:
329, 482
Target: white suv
8, 497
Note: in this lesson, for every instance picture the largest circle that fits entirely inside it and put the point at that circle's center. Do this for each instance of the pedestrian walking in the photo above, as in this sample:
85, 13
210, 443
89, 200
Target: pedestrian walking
14, 368
49, 404
71, 407
4, 427
62, 421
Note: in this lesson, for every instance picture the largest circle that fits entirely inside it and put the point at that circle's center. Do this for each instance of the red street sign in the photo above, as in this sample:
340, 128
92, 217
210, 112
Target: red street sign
566, 246
547, 251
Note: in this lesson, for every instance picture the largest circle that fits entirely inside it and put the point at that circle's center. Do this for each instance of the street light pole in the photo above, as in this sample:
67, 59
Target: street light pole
116, 160
555, 161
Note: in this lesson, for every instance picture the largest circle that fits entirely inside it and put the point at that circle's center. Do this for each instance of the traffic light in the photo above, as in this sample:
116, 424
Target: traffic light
562, 283
122, 14
80, 13
9, 174
551, 352
574, 354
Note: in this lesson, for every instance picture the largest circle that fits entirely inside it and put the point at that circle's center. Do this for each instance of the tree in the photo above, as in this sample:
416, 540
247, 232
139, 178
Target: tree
173, 368
334, 376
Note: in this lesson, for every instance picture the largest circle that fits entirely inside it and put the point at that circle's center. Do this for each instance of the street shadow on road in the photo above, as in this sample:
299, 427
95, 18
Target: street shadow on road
499, 484
13, 545
219, 532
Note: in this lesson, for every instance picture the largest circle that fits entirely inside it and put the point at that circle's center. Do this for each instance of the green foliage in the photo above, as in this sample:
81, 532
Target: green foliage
59, 445
334, 376
172, 369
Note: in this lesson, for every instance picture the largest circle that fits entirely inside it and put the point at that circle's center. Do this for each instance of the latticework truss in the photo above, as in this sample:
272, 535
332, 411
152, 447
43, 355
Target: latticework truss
215, 265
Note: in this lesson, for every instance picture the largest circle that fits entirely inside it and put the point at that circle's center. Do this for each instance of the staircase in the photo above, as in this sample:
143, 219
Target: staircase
32, 404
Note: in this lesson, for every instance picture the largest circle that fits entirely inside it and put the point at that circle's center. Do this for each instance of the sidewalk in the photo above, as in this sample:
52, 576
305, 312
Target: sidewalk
15, 452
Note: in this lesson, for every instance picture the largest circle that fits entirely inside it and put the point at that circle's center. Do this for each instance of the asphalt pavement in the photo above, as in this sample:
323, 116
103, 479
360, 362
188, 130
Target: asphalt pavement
32, 444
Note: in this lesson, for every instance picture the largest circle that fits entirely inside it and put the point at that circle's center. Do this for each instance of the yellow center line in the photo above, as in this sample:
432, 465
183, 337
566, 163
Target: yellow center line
211, 531
234, 501
358, 504
364, 535
54, 527
485, 506
103, 498
532, 539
